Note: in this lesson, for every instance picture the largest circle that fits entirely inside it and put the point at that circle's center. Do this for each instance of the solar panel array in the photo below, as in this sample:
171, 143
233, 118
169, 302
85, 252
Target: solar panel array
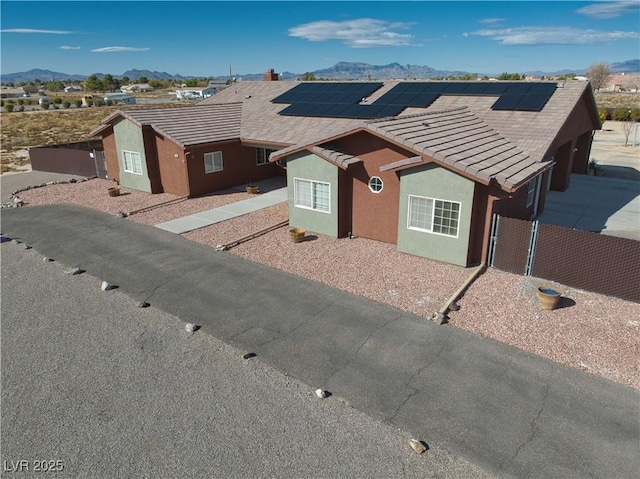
342, 100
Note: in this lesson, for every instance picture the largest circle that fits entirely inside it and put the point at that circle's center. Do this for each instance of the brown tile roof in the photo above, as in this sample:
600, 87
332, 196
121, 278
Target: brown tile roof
186, 125
458, 138
261, 122
463, 132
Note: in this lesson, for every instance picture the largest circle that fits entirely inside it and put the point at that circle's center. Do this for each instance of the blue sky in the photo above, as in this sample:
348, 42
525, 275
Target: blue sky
206, 38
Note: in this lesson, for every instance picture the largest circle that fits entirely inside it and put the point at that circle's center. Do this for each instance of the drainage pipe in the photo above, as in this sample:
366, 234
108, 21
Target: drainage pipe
227, 246
441, 315
158, 205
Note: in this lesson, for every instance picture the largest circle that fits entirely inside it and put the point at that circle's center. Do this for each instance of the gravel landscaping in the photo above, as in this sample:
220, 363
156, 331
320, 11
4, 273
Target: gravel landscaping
592, 332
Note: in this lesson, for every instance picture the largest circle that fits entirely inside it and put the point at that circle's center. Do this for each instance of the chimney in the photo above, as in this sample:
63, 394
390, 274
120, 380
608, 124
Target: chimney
270, 75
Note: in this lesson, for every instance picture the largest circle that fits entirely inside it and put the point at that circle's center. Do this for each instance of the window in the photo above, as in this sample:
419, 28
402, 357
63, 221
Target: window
433, 215
213, 162
531, 191
262, 155
375, 184
313, 195
132, 162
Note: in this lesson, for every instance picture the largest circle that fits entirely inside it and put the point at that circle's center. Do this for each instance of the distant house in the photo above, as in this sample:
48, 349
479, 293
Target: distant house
72, 89
20, 92
422, 165
120, 98
136, 87
195, 93
629, 82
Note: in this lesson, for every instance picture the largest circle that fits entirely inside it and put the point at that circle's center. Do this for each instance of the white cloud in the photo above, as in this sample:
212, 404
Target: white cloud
492, 21
610, 9
67, 47
34, 30
358, 33
119, 49
552, 36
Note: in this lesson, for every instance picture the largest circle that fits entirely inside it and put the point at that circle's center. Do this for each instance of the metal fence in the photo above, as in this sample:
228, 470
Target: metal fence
580, 259
82, 159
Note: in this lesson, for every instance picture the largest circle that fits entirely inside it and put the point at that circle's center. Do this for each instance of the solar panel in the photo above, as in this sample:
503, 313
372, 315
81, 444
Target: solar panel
474, 88
495, 88
532, 102
423, 100
341, 99
455, 88
542, 88
519, 88
506, 102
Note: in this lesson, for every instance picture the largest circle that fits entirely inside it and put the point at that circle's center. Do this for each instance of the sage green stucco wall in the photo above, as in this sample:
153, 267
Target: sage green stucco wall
307, 166
129, 137
433, 181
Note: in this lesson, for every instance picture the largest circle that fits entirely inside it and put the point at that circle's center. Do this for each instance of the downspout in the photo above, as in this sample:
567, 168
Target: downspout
537, 197
487, 229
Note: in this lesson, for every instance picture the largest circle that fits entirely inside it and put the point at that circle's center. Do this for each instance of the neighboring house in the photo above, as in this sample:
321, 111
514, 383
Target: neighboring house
120, 98
72, 89
623, 82
187, 151
195, 93
20, 92
426, 176
137, 87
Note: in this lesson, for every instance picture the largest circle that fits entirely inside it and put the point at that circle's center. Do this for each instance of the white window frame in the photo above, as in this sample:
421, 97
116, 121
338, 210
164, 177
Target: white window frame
213, 162
309, 200
379, 180
262, 155
531, 191
434, 205
132, 162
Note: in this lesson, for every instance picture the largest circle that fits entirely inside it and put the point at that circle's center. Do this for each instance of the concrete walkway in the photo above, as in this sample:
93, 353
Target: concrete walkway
272, 192
604, 205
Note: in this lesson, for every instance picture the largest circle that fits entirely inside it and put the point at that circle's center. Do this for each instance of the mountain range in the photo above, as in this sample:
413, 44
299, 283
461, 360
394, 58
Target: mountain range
340, 71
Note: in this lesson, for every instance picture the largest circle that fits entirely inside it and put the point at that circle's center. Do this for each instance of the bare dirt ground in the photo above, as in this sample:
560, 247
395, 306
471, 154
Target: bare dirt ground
23, 130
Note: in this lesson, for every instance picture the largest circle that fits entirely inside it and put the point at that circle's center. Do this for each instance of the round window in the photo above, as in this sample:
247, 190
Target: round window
375, 184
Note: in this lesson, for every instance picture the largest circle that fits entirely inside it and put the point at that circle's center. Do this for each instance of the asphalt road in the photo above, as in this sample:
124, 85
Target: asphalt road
101, 388
512, 413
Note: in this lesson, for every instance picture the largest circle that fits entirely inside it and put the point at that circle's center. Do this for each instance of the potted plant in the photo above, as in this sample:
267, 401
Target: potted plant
548, 297
591, 168
252, 189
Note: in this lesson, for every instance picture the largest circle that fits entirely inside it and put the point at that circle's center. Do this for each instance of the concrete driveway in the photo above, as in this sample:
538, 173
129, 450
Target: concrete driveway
512, 413
599, 204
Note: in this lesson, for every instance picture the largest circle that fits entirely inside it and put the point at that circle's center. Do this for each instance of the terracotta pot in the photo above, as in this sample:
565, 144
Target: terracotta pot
253, 190
114, 191
297, 234
548, 297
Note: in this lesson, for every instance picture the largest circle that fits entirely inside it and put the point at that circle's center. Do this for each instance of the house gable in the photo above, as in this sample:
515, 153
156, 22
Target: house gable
129, 140
435, 183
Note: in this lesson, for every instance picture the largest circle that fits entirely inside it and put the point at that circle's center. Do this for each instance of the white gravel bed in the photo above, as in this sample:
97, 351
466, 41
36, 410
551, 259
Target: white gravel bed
592, 332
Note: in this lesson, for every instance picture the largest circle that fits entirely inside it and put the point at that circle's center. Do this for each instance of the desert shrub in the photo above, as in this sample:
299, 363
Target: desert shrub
89, 102
620, 114
20, 101
21, 108
602, 113
29, 101
8, 107
77, 103
45, 105
109, 102
635, 114
1, 103
57, 100
66, 104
